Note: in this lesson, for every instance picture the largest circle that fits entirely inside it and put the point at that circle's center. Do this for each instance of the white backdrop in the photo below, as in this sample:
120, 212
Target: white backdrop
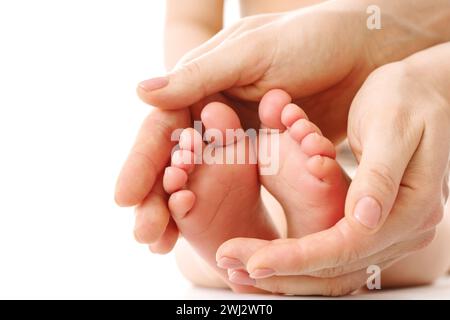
68, 116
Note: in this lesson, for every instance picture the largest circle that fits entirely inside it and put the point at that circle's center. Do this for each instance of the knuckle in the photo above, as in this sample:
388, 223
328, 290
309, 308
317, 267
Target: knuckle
162, 123
191, 69
138, 152
384, 178
194, 71
330, 272
299, 250
349, 250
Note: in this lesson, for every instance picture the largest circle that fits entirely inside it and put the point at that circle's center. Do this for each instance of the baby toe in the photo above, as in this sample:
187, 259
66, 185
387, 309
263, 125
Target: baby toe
183, 159
174, 179
301, 128
316, 144
180, 203
291, 113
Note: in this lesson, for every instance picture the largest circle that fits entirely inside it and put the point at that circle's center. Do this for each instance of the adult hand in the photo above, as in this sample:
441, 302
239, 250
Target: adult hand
320, 55
399, 130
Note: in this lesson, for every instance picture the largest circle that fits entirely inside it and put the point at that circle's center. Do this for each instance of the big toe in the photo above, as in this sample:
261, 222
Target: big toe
220, 120
271, 107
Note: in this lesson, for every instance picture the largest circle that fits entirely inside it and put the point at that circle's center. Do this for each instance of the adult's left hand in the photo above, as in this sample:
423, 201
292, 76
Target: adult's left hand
399, 129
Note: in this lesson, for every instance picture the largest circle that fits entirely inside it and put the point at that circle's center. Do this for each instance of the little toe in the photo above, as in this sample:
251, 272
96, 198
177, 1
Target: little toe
180, 203
183, 159
291, 113
167, 241
316, 144
271, 107
174, 179
325, 169
301, 128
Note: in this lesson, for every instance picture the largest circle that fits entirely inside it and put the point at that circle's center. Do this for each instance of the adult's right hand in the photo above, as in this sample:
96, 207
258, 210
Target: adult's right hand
399, 130
320, 55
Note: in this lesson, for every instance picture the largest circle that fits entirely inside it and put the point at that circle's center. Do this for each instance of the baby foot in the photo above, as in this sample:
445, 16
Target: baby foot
212, 203
309, 184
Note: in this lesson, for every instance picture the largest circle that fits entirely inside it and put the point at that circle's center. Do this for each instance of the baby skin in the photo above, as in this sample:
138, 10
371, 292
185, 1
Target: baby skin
214, 202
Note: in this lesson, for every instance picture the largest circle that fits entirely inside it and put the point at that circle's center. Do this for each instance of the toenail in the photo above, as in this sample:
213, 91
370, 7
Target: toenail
368, 212
229, 263
262, 273
241, 277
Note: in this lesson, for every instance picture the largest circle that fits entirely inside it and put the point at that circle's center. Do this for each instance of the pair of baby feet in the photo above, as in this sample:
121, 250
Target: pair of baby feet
212, 203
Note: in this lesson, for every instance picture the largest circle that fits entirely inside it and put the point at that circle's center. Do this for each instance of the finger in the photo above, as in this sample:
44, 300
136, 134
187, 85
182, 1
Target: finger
337, 246
393, 253
387, 142
152, 215
340, 245
306, 285
235, 253
209, 45
149, 155
234, 30
210, 73
167, 241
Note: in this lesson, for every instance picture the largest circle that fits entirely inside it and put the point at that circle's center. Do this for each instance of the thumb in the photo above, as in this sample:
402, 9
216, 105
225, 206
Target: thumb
386, 149
221, 68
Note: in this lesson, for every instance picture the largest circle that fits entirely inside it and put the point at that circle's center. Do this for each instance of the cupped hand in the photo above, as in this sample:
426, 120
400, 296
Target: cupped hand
320, 55
399, 130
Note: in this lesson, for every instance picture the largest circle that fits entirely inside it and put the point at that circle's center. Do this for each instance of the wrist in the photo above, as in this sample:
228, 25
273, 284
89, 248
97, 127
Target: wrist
432, 67
406, 26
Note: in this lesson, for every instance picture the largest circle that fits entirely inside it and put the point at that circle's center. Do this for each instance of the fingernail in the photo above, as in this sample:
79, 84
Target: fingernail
241, 277
154, 83
368, 212
229, 263
262, 273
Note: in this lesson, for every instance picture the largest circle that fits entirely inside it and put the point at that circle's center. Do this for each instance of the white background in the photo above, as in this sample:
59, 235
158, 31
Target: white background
68, 116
